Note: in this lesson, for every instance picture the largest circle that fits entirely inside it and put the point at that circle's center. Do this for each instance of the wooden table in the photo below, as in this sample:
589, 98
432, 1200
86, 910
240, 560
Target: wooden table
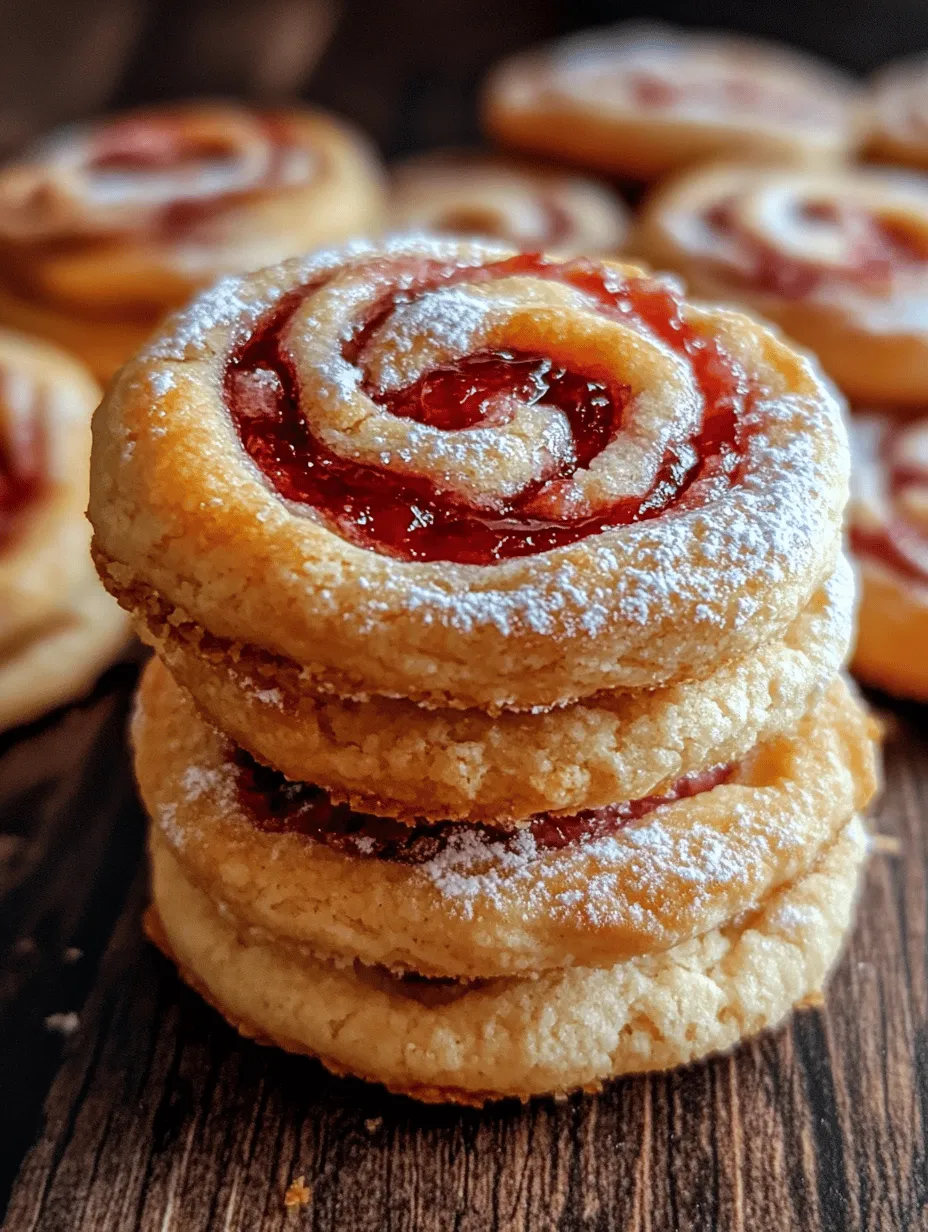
146, 1112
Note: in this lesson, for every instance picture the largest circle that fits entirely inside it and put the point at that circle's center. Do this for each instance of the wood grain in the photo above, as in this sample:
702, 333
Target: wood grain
153, 1115
158, 1116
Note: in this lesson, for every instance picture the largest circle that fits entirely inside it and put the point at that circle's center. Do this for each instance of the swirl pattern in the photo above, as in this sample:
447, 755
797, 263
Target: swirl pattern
106, 227
890, 507
448, 414
484, 448
161, 172
839, 260
531, 207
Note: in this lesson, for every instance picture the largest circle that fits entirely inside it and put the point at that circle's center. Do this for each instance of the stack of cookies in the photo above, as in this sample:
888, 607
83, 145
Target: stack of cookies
496, 743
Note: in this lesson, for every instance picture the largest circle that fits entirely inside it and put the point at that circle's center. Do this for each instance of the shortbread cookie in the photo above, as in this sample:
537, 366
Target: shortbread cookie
531, 206
838, 259
441, 1041
107, 226
58, 628
634, 490
896, 113
642, 101
466, 901
888, 527
390, 756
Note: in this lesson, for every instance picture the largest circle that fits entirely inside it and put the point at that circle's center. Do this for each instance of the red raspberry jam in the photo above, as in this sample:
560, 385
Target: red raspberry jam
279, 806
878, 249
21, 478
407, 516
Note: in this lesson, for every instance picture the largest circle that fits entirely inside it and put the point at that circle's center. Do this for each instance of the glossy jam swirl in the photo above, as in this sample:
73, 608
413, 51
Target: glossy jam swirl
406, 516
876, 249
279, 806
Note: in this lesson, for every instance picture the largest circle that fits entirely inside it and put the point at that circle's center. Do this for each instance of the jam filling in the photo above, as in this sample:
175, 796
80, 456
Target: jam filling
879, 248
409, 517
278, 806
22, 477
143, 145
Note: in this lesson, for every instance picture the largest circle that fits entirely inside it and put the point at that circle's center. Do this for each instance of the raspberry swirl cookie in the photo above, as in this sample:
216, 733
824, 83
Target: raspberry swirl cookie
644, 101
897, 114
466, 477
531, 207
840, 261
645, 936
889, 537
588, 889
57, 626
106, 227
499, 608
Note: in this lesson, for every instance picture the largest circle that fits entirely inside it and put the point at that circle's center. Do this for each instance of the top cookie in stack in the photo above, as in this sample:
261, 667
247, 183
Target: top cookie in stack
503, 747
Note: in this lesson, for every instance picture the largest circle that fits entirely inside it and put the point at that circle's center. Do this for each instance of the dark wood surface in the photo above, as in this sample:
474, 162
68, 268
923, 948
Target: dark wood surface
153, 1115
125, 1103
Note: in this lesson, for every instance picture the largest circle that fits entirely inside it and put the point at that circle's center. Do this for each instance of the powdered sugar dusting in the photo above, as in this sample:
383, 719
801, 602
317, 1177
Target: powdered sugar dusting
606, 877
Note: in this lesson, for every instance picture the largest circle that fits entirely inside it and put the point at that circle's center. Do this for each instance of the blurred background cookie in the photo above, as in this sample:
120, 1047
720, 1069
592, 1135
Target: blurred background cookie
532, 206
58, 628
838, 259
106, 226
643, 101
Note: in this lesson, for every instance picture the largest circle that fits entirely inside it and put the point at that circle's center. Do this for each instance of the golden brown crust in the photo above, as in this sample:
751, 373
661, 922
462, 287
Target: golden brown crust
643, 101
142, 236
58, 628
392, 757
866, 323
479, 909
560, 1032
528, 205
48, 398
62, 658
178, 509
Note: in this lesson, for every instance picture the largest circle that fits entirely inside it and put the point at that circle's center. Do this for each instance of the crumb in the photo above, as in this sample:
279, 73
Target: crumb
813, 1001
298, 1193
72, 954
372, 1124
64, 1024
885, 845
24, 946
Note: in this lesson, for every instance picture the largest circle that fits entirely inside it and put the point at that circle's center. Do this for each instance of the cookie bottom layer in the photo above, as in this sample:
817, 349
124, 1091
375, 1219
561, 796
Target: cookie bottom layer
469, 1043
63, 658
